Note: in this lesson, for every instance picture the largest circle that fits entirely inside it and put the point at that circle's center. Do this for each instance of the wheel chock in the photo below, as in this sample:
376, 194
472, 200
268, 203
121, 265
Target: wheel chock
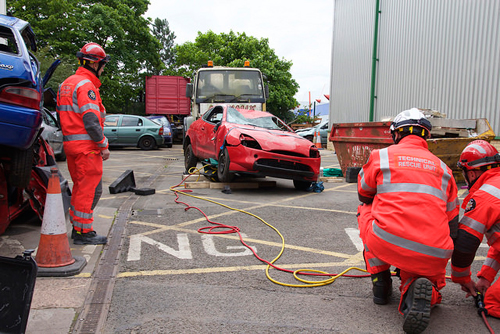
126, 182
144, 191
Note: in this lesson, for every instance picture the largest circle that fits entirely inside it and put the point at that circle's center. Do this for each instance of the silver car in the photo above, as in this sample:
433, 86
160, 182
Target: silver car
308, 133
52, 134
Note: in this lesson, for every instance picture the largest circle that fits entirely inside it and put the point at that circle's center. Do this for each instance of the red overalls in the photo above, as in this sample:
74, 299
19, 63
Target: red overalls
77, 96
482, 217
414, 198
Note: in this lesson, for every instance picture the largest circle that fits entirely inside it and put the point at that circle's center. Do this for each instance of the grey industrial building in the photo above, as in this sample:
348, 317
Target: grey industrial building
391, 55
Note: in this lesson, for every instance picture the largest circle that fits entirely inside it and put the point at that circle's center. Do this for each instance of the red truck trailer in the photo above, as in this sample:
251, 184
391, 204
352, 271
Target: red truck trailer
166, 95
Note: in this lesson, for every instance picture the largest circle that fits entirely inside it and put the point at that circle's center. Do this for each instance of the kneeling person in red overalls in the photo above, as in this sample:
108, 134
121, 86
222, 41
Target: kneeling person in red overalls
480, 164
408, 218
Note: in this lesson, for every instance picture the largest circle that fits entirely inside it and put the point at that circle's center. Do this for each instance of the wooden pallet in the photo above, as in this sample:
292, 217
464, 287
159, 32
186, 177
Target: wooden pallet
205, 184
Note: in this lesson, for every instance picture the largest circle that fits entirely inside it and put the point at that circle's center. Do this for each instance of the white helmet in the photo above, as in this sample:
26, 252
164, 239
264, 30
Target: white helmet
412, 117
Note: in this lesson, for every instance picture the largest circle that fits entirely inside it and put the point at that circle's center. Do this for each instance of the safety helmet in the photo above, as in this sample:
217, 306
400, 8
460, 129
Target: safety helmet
477, 154
411, 117
92, 52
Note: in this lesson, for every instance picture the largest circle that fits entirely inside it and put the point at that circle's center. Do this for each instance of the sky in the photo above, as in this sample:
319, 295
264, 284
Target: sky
299, 31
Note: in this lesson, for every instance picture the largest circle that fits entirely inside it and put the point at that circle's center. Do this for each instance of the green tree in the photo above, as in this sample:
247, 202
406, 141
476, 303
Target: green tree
232, 50
166, 37
64, 26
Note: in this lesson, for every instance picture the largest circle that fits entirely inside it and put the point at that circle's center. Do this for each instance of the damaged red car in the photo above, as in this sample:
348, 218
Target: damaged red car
250, 142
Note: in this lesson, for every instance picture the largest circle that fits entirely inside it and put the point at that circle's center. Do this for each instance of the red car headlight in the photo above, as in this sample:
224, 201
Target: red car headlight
314, 152
248, 141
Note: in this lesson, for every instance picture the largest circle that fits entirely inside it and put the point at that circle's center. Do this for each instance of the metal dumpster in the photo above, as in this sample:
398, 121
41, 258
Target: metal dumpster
353, 142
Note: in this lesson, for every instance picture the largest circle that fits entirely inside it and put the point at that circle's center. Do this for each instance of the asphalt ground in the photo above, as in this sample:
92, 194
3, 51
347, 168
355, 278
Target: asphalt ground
168, 277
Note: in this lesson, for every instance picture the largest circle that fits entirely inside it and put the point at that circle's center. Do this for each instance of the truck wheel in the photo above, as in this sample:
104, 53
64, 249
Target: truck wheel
20, 169
190, 159
223, 169
301, 185
147, 143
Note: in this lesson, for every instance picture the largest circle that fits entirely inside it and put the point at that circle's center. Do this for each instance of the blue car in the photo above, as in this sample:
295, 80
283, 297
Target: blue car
167, 128
21, 91
20, 84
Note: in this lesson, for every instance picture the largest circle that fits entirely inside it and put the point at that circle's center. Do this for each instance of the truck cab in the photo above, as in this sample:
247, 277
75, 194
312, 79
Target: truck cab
238, 87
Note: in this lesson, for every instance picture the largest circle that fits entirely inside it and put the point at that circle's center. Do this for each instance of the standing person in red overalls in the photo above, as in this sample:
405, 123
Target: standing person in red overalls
81, 114
479, 162
408, 218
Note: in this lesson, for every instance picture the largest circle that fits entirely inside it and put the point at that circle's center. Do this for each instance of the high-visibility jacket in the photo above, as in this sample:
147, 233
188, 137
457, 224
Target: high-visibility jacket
82, 114
79, 95
414, 199
481, 218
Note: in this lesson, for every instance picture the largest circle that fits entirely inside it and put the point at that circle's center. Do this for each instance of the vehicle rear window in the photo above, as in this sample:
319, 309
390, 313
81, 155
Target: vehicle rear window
8, 42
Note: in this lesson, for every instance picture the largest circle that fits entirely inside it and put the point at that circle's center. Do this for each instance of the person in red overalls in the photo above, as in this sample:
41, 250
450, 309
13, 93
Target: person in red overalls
81, 114
479, 162
408, 217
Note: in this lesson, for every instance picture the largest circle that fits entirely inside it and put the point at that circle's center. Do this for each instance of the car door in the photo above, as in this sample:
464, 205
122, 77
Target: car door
52, 132
324, 133
111, 128
207, 138
130, 131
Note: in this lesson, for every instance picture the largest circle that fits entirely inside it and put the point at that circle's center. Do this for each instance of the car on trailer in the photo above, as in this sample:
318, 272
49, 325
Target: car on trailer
25, 155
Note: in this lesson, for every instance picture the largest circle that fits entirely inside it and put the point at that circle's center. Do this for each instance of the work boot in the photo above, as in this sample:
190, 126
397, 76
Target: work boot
417, 306
382, 287
90, 238
73, 233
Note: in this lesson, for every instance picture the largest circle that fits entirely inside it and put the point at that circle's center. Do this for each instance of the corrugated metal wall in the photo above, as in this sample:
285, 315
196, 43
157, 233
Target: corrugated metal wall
351, 56
443, 55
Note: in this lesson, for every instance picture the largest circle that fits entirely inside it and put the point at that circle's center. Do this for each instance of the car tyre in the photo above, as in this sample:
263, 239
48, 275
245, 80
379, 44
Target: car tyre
301, 185
223, 169
20, 169
147, 143
190, 160
61, 156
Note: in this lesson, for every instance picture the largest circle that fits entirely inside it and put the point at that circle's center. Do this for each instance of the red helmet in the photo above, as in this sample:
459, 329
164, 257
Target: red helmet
92, 52
478, 153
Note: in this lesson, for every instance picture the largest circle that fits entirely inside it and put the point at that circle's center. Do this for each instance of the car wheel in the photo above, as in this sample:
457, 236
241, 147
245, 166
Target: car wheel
147, 143
61, 156
301, 185
20, 169
169, 145
190, 159
223, 168
310, 138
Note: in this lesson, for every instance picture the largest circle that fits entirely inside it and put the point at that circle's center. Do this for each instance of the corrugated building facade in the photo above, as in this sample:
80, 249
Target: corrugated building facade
436, 54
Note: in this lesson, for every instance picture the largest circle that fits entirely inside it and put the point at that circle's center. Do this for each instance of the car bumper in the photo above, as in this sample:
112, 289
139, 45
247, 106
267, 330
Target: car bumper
248, 160
167, 140
18, 125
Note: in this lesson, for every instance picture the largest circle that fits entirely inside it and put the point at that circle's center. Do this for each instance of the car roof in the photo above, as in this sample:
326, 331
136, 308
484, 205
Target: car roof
21, 26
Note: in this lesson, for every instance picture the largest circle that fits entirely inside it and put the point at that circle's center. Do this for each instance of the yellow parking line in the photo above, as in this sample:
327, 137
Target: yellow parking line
224, 269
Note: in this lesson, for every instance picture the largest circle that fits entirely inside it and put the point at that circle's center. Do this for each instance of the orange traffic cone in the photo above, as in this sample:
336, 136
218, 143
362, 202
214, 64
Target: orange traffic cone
53, 248
317, 139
